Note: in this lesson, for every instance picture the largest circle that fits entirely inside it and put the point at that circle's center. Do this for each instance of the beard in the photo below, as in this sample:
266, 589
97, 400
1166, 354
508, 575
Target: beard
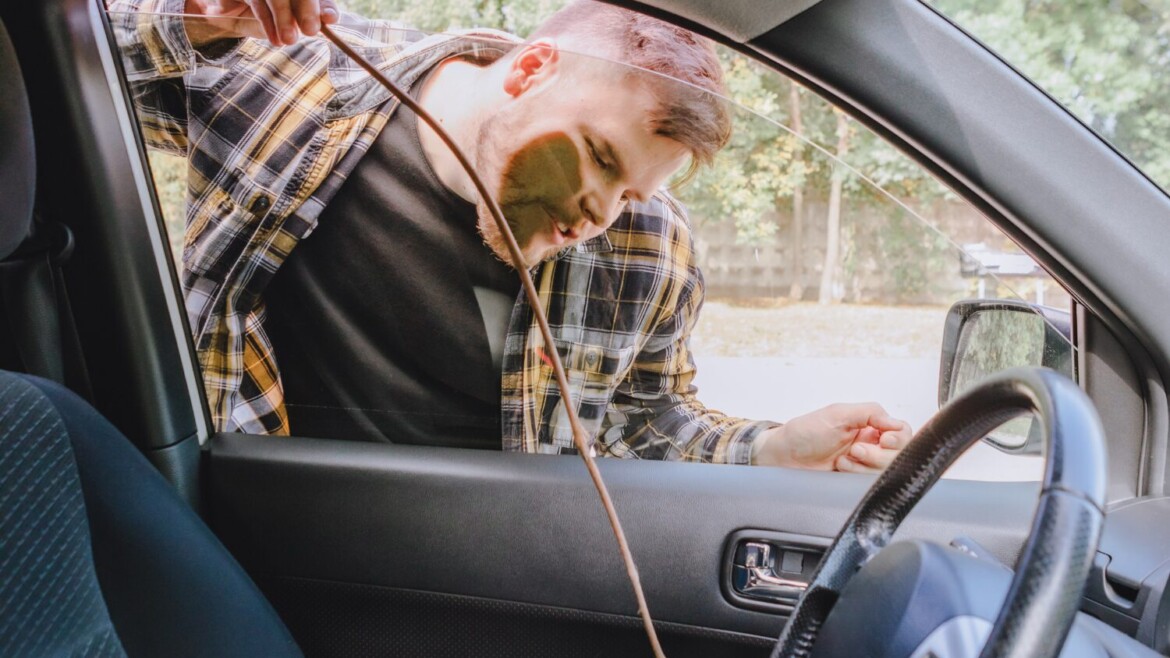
493, 238
488, 166
533, 185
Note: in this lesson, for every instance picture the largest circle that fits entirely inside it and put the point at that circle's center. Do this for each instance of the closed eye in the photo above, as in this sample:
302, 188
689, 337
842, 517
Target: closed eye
596, 156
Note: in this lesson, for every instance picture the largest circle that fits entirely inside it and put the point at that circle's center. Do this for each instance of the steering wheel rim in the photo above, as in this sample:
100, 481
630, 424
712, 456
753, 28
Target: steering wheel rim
1043, 598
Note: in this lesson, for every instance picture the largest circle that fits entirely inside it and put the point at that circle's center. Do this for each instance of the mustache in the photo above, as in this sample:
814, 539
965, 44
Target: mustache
561, 216
518, 206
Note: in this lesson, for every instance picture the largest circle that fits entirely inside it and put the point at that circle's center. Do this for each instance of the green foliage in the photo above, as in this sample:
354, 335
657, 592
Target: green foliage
170, 184
754, 179
1106, 60
994, 340
913, 260
518, 17
763, 164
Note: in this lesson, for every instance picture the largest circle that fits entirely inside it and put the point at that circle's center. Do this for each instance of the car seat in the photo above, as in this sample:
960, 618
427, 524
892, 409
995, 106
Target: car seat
98, 554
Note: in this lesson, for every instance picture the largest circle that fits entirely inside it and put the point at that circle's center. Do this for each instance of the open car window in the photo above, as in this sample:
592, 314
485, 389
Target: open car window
870, 321
830, 262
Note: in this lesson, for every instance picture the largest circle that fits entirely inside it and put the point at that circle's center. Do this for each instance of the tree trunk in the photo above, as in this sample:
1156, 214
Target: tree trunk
828, 294
796, 291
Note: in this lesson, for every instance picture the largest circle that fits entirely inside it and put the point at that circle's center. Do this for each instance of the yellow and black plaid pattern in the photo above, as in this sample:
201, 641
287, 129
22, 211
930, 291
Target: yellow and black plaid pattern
270, 135
621, 309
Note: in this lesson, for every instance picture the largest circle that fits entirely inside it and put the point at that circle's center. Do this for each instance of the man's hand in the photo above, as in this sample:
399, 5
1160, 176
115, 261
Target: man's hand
857, 438
280, 21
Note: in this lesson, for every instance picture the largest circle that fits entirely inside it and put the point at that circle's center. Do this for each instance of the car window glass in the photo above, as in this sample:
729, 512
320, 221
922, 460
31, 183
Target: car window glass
1107, 62
788, 327
830, 263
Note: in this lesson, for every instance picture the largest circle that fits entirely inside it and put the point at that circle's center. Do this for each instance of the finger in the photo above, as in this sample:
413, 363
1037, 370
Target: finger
308, 15
896, 440
260, 11
238, 18
847, 465
249, 27
877, 416
860, 452
871, 456
863, 414
868, 435
888, 423
283, 16
330, 14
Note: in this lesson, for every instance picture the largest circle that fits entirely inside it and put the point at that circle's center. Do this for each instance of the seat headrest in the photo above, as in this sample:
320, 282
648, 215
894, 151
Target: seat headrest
17, 155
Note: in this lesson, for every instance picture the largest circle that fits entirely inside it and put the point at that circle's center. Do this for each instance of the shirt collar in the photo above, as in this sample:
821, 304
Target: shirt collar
594, 245
599, 244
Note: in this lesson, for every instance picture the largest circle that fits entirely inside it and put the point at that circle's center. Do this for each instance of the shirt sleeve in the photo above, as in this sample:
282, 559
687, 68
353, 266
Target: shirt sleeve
156, 55
151, 37
655, 413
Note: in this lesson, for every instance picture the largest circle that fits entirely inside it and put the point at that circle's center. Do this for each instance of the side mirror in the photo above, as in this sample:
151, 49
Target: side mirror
984, 336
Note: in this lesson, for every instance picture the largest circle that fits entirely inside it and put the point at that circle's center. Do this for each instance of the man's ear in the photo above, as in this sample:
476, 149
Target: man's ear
534, 63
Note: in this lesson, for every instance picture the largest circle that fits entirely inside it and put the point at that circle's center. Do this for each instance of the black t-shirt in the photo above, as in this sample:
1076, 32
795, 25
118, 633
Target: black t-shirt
376, 317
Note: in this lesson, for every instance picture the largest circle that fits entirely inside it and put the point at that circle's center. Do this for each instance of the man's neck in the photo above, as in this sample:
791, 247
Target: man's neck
453, 95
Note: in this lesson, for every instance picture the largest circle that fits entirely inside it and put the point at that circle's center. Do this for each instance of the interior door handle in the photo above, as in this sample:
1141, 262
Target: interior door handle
756, 577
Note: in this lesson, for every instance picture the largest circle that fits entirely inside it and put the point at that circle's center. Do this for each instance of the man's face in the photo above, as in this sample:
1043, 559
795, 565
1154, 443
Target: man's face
564, 156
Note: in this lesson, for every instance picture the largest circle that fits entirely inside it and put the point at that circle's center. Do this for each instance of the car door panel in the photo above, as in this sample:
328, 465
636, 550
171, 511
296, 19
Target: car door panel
307, 517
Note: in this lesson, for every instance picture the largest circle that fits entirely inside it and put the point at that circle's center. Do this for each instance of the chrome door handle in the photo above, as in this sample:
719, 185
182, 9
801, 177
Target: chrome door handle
756, 577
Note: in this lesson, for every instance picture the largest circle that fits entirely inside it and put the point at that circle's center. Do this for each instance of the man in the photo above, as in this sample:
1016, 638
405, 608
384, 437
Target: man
393, 321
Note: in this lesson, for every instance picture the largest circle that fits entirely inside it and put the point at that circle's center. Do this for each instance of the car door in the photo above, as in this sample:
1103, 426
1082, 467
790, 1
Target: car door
384, 548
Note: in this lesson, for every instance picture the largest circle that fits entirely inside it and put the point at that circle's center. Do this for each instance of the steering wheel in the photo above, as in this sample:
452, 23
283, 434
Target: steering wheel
1044, 594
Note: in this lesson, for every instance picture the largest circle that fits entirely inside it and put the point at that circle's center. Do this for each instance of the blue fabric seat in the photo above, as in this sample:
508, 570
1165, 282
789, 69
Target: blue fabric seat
99, 556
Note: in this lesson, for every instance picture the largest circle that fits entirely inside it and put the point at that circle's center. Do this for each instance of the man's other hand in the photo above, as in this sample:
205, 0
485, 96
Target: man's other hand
282, 22
856, 438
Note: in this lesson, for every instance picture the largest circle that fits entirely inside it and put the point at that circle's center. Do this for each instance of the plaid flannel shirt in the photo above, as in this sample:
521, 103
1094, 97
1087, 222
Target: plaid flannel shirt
271, 134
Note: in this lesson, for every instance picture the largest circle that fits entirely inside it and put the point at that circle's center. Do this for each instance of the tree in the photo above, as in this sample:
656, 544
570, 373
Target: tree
778, 156
766, 167
1106, 60
796, 290
518, 17
783, 153
828, 291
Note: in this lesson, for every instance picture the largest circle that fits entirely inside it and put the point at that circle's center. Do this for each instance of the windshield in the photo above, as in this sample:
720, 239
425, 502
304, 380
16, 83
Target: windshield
1107, 61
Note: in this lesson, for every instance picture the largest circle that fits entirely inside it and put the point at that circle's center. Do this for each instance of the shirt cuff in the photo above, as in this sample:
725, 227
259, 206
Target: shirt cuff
746, 444
163, 31
163, 34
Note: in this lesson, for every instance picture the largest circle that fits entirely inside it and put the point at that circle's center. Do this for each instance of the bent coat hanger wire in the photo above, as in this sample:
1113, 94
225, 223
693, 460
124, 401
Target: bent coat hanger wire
579, 439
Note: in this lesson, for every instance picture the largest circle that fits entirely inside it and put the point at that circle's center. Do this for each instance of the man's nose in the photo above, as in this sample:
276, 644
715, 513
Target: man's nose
602, 208
592, 210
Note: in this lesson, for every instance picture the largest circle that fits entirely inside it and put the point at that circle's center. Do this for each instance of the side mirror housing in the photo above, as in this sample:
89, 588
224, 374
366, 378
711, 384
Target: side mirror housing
984, 336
